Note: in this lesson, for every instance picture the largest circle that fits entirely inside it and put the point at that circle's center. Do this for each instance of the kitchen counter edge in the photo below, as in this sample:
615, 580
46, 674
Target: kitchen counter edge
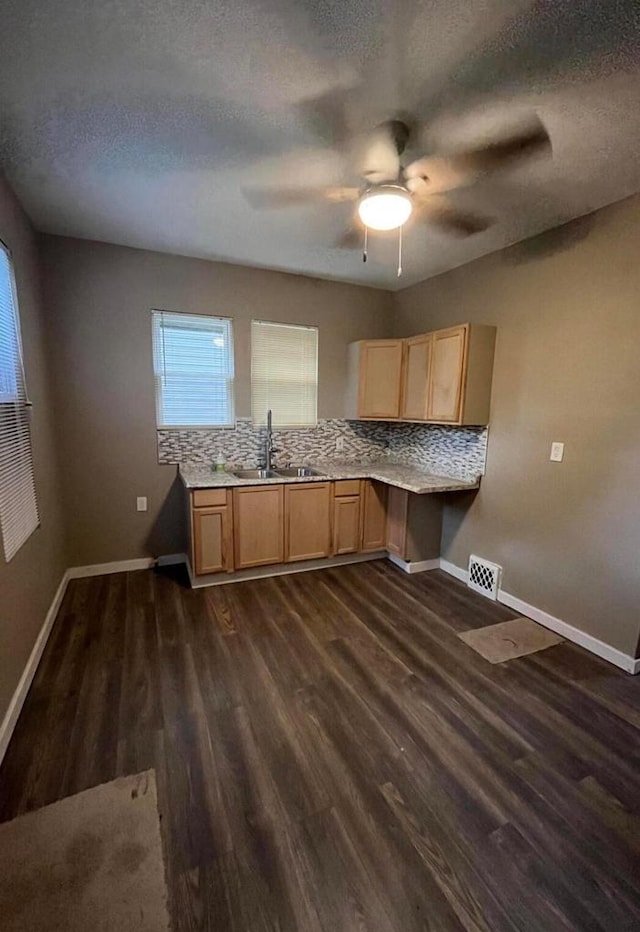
411, 478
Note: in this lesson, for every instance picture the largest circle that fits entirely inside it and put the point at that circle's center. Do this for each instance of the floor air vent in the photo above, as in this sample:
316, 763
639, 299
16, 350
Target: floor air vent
484, 577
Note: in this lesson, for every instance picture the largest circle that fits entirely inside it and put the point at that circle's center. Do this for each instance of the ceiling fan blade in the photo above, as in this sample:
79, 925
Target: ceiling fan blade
530, 141
452, 220
352, 238
443, 173
267, 198
326, 115
380, 161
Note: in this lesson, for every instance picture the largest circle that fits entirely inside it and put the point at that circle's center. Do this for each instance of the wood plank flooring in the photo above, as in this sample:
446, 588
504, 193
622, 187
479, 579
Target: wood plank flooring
330, 756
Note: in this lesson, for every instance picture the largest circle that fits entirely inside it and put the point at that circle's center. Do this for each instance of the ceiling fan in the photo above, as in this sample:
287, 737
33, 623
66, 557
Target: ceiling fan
391, 192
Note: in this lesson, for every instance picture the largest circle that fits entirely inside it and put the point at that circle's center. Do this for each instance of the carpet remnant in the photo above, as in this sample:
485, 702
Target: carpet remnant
509, 639
92, 861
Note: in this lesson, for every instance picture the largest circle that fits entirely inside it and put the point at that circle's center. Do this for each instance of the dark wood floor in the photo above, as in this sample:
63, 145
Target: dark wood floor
330, 756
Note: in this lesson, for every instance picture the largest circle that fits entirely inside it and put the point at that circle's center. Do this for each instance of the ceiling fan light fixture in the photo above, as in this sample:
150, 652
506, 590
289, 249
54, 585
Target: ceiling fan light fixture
385, 207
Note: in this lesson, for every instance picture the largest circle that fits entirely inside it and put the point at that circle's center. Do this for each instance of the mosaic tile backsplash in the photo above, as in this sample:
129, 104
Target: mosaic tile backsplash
459, 452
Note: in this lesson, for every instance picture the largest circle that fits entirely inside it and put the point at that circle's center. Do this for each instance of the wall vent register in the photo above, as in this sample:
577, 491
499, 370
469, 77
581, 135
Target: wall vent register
484, 577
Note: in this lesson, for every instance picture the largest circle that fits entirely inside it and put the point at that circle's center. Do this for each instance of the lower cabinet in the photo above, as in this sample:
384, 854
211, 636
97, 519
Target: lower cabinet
374, 515
397, 508
346, 524
212, 539
414, 526
258, 527
307, 521
211, 523
254, 526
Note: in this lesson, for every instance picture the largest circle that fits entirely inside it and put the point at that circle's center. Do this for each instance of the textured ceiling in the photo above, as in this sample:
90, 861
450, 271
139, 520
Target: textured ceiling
140, 122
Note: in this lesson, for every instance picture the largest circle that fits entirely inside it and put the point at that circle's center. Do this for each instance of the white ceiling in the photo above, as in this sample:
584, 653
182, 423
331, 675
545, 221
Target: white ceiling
140, 122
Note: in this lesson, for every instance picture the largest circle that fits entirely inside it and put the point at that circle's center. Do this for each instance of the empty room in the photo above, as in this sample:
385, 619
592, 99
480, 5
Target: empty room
319, 466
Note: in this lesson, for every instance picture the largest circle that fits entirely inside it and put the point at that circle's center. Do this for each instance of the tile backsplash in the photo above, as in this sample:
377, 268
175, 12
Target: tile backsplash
459, 452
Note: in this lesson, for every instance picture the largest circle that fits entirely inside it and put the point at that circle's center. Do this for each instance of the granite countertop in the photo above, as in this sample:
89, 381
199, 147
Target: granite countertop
411, 478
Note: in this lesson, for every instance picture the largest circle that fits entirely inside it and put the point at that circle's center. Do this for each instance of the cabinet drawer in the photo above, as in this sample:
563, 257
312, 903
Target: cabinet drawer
209, 498
346, 487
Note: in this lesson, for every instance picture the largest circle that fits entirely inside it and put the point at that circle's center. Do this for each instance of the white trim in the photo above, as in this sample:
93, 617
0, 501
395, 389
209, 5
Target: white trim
171, 559
453, 570
563, 628
279, 569
415, 566
17, 700
103, 569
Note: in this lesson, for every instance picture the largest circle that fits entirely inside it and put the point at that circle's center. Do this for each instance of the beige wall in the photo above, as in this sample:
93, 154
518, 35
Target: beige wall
567, 308
100, 298
29, 581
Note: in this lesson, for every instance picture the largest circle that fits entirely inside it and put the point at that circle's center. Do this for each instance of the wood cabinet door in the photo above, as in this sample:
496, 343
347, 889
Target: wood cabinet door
397, 510
415, 381
258, 526
448, 358
380, 375
374, 515
346, 524
307, 511
212, 539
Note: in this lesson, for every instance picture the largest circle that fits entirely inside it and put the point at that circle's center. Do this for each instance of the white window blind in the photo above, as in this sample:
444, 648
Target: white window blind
193, 364
284, 374
18, 505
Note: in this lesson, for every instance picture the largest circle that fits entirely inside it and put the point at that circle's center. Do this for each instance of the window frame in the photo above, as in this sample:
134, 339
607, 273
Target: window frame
230, 378
292, 325
18, 399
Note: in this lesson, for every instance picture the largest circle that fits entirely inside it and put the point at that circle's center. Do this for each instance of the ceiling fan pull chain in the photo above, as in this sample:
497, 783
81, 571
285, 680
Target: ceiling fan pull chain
399, 251
366, 239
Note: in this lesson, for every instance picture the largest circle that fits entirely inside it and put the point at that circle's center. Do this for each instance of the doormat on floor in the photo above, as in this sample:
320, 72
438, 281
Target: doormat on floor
91, 861
509, 639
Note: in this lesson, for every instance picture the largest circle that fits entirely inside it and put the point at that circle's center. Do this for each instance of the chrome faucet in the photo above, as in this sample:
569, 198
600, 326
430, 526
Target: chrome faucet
269, 449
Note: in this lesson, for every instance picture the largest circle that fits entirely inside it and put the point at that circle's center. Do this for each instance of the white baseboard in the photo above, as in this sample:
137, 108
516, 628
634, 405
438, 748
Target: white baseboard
454, 570
17, 700
417, 566
563, 628
171, 559
104, 569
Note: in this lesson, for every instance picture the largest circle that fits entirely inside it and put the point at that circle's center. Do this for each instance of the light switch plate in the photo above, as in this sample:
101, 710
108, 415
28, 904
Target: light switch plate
557, 452
141, 503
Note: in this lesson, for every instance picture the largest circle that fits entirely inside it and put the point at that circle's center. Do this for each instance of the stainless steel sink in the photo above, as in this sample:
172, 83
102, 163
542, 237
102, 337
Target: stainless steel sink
297, 472
256, 474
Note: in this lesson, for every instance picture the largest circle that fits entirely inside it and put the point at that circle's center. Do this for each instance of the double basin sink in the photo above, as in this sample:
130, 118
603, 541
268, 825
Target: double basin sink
289, 472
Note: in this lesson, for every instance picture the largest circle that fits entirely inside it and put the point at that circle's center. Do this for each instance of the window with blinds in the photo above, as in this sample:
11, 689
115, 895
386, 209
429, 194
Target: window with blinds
284, 374
18, 505
193, 365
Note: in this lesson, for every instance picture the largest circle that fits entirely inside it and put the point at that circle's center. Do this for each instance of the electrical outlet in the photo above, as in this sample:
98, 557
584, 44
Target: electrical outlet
339, 444
557, 452
141, 503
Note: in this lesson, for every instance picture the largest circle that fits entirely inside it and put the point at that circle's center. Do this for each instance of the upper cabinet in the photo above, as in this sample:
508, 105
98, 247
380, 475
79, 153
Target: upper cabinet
443, 377
446, 380
415, 377
380, 371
